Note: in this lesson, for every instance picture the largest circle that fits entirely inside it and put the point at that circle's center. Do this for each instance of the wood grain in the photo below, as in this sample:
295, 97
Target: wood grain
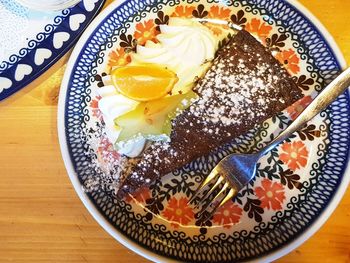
41, 217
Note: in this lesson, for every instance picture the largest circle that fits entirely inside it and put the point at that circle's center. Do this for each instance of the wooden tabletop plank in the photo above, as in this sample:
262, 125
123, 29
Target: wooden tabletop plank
43, 220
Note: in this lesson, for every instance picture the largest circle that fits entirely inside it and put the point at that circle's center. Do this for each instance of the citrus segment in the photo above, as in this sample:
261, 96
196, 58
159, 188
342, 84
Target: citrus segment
144, 82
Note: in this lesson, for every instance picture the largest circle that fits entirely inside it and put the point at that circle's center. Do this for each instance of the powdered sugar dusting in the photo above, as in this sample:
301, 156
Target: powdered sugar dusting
151, 159
106, 167
231, 91
244, 87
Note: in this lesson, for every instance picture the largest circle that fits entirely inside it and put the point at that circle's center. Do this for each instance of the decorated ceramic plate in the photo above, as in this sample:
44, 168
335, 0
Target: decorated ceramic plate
33, 40
297, 185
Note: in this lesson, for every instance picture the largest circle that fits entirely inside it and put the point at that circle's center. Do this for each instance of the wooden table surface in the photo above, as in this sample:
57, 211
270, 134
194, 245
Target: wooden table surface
42, 218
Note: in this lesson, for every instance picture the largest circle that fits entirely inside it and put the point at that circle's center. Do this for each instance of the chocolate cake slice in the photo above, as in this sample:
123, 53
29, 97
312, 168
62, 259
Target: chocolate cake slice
245, 86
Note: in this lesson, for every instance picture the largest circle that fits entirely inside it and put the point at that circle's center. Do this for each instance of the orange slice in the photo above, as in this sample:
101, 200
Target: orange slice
144, 82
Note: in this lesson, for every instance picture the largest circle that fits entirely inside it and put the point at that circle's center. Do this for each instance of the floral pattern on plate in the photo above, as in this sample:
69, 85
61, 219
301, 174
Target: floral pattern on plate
286, 160
293, 184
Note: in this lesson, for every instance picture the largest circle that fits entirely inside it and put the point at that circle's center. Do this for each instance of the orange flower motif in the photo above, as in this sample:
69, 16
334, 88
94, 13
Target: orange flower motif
295, 109
119, 58
294, 155
146, 31
290, 60
217, 12
228, 215
183, 11
259, 28
94, 102
106, 151
139, 196
271, 194
94, 107
178, 212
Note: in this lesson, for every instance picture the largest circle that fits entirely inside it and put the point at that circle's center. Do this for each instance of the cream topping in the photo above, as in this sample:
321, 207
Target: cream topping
186, 47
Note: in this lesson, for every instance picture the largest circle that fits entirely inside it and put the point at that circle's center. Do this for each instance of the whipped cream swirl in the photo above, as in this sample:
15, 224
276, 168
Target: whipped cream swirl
184, 46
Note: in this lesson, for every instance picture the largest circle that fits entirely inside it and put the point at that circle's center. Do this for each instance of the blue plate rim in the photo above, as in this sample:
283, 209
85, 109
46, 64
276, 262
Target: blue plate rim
315, 226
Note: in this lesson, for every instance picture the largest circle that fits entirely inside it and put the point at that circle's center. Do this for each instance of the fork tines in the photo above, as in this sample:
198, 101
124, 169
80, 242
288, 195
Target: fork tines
215, 191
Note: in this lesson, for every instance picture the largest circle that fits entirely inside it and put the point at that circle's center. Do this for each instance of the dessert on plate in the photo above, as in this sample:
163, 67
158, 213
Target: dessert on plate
204, 97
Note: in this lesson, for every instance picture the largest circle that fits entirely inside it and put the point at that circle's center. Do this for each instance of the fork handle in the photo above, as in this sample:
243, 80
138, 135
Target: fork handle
326, 97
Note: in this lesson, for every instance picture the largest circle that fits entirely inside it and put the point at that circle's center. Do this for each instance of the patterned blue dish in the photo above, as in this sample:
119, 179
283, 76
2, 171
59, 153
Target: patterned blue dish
38, 52
306, 190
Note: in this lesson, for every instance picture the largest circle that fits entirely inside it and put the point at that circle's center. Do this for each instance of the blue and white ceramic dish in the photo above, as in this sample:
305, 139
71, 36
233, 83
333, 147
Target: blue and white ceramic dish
31, 41
298, 184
